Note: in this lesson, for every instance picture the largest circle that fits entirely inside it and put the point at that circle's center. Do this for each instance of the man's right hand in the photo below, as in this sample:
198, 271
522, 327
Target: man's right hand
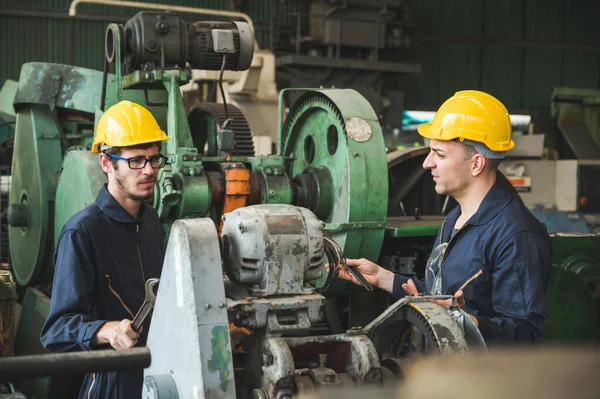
119, 334
376, 275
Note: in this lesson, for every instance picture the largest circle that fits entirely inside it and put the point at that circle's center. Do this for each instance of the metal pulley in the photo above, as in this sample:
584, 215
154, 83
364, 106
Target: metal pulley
338, 169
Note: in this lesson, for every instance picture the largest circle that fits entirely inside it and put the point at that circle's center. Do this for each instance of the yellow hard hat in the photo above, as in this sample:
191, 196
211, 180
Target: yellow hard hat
126, 124
472, 115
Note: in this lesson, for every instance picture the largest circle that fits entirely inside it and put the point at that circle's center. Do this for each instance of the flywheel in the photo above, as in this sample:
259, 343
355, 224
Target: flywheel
414, 326
338, 167
79, 183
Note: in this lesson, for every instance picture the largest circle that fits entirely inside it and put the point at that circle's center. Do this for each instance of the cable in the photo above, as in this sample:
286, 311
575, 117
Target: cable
221, 87
337, 261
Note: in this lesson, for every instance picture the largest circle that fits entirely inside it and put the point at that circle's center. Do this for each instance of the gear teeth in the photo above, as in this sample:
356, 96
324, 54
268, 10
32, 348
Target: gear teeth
298, 111
239, 125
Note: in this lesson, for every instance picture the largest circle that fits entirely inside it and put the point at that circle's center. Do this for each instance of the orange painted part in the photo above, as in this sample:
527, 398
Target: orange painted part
237, 335
237, 190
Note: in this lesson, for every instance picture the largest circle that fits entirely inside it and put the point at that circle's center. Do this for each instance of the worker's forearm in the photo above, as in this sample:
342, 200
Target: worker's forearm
386, 280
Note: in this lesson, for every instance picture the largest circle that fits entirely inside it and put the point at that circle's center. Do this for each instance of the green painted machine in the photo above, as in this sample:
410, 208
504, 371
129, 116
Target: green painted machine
331, 160
210, 171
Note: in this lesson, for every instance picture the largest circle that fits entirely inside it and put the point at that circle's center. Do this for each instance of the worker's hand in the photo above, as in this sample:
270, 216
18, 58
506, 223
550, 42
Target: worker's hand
460, 301
376, 275
410, 288
119, 334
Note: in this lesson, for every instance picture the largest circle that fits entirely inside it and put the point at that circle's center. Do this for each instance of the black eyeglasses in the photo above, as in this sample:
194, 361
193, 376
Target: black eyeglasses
157, 161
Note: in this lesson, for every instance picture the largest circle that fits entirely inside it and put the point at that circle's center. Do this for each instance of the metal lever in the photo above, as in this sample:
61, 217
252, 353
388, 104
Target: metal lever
147, 306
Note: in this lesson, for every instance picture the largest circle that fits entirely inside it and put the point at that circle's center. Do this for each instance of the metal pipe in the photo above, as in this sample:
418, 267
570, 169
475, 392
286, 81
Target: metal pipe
167, 7
31, 366
35, 13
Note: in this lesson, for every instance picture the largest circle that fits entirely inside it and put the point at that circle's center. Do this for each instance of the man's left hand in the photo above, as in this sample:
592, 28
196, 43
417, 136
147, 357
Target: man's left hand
460, 301
411, 289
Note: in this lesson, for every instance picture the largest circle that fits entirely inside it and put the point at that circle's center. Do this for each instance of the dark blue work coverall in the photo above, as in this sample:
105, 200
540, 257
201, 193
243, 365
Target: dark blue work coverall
513, 249
102, 260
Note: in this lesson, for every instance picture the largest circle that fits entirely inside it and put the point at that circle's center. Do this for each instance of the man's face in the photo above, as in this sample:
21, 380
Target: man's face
136, 184
449, 166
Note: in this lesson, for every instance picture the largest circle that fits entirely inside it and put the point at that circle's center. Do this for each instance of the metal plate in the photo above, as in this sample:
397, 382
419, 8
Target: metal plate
358, 130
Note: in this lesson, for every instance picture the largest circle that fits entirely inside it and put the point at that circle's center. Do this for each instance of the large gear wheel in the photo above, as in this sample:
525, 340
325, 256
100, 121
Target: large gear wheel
415, 326
204, 120
338, 168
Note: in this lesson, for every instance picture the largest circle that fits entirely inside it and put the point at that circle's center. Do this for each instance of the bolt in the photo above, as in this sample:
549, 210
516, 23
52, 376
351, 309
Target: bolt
330, 376
322, 359
271, 192
185, 170
197, 170
148, 75
221, 305
278, 172
207, 306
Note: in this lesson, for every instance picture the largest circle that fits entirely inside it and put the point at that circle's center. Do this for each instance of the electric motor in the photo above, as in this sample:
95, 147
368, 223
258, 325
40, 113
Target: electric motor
161, 39
275, 247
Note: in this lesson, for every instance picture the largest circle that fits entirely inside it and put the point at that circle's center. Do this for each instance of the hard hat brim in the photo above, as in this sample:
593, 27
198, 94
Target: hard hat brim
96, 146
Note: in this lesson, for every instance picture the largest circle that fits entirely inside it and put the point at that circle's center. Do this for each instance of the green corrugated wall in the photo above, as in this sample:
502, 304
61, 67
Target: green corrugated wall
516, 49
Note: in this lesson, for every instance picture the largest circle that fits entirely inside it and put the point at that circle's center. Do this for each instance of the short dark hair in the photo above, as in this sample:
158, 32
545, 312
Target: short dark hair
117, 150
470, 151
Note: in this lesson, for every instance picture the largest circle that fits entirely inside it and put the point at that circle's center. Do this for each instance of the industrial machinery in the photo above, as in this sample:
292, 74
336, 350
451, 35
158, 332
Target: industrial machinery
352, 44
266, 309
330, 153
244, 271
576, 113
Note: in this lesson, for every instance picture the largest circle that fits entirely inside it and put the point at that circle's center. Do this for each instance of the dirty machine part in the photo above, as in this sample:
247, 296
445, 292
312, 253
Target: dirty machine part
270, 253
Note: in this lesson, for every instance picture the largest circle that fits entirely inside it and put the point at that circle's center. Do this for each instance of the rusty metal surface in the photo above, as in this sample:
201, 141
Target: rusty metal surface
191, 306
58, 85
274, 250
278, 368
8, 301
440, 331
263, 312
361, 367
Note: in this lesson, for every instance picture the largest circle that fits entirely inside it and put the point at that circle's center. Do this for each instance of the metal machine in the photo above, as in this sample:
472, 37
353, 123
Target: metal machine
252, 334
330, 153
241, 289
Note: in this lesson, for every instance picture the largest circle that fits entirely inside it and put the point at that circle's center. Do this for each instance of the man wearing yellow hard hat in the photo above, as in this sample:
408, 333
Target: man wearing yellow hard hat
490, 236
106, 252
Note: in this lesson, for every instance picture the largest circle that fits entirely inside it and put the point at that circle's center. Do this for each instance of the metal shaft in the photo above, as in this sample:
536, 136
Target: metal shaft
17, 367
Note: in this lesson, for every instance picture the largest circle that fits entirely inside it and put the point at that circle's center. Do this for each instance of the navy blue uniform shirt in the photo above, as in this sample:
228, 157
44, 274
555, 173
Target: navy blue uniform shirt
513, 249
102, 259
